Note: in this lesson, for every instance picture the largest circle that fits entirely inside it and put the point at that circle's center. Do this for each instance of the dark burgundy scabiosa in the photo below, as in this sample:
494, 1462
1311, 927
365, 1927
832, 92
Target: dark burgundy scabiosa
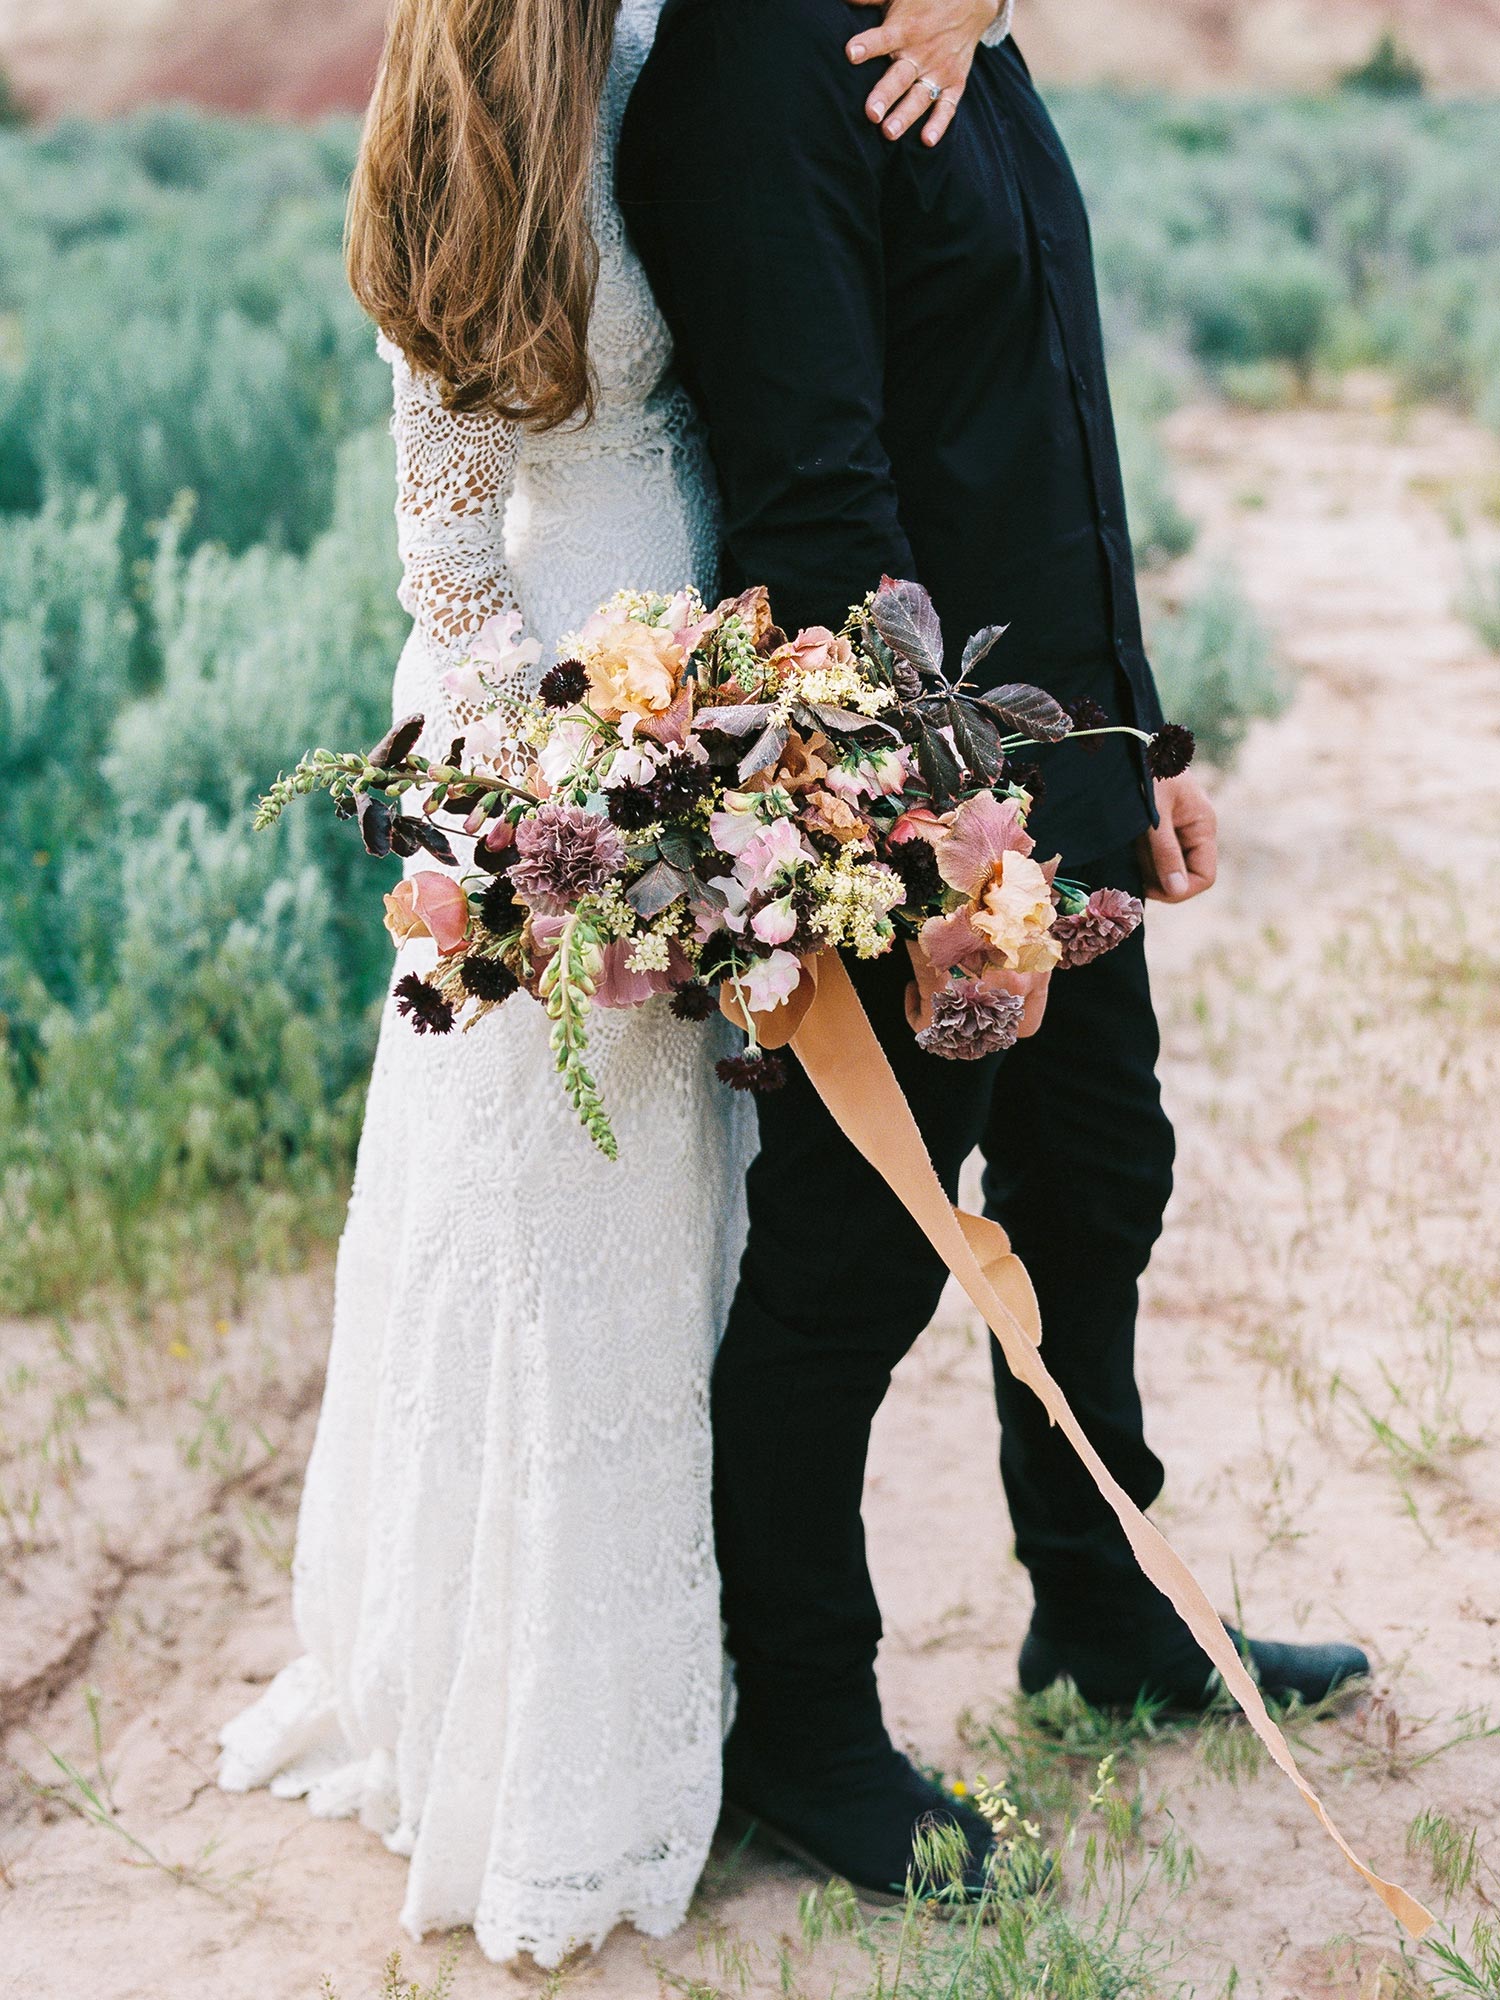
486, 978
498, 909
754, 1073
564, 853
693, 1001
1170, 750
970, 1020
633, 806
1106, 920
420, 1001
679, 784
915, 862
566, 683
1029, 778
1086, 712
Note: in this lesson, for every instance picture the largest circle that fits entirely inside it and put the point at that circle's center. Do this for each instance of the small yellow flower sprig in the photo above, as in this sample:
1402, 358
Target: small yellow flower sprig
854, 899
1004, 1817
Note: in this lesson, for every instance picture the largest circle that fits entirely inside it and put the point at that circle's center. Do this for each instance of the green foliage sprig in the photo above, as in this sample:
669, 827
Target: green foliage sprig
566, 990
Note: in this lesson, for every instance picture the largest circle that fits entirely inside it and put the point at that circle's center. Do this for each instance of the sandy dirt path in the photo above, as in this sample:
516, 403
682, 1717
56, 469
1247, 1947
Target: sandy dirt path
1319, 1350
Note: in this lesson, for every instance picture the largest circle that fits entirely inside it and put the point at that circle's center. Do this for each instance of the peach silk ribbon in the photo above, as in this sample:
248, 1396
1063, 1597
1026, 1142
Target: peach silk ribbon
831, 1036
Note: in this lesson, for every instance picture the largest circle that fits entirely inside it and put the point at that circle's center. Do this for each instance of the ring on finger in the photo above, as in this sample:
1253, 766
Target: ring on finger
934, 90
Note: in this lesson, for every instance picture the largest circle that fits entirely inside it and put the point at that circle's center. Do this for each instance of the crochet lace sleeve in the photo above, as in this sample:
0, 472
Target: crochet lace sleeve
455, 472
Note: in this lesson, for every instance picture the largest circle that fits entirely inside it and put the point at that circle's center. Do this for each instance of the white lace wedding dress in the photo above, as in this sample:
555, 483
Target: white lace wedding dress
504, 1577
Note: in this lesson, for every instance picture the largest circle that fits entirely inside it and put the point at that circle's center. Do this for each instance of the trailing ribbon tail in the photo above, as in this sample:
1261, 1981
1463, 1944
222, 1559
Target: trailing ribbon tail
837, 1047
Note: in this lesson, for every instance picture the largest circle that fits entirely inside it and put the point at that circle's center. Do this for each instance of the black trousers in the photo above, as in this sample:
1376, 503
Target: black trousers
836, 1284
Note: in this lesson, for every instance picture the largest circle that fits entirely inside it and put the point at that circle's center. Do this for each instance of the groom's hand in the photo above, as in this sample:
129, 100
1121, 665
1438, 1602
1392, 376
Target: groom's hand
1180, 857
931, 44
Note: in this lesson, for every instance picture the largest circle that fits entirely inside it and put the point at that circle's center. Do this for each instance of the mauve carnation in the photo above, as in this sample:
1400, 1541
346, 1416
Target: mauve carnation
970, 1020
1106, 920
564, 853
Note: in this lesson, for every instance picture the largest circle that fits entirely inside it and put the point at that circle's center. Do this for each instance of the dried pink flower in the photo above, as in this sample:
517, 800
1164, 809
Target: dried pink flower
970, 1020
563, 854
1106, 920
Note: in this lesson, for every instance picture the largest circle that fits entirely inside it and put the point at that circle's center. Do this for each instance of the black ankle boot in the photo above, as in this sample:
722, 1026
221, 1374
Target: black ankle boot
1182, 1675
856, 1819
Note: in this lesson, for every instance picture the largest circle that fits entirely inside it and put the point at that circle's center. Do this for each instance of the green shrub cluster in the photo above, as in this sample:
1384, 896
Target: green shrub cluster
197, 575
1300, 234
1214, 665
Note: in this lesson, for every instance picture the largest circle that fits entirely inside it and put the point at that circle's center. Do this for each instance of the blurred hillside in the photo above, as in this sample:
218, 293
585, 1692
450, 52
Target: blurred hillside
298, 57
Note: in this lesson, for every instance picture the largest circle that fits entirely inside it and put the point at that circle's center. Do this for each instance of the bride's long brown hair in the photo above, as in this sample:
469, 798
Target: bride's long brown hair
468, 239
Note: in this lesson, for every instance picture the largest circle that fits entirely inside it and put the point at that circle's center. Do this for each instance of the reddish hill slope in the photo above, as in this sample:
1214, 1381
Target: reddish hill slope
301, 57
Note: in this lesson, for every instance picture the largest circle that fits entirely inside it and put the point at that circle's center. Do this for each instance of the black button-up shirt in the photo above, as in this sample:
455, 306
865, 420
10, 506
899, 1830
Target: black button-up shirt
897, 353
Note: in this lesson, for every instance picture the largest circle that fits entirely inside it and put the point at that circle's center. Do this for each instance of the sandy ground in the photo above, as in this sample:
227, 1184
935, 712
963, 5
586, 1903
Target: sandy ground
1318, 1349
303, 57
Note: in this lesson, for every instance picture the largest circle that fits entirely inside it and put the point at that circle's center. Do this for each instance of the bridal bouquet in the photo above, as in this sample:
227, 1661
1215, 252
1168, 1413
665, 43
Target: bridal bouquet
693, 804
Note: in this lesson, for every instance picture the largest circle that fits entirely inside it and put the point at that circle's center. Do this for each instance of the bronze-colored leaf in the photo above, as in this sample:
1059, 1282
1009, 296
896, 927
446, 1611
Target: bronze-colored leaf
433, 839
397, 743
658, 889
841, 721
937, 763
977, 738
764, 751
736, 720
375, 825
903, 614
1028, 711
704, 897
980, 645
677, 846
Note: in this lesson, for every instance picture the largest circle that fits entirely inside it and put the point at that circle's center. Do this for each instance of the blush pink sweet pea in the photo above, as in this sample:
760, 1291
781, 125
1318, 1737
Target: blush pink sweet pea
731, 917
732, 829
498, 643
763, 860
560, 752
774, 923
880, 775
465, 688
771, 981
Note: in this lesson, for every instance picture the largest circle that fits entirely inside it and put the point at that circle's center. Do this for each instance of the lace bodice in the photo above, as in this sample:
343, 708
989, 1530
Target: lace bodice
459, 473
